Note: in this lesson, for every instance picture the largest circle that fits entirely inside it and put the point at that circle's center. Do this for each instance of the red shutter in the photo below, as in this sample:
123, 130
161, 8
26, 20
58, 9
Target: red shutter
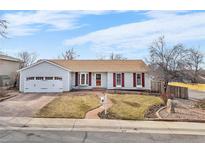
134, 79
76, 78
123, 80
143, 83
114, 81
90, 79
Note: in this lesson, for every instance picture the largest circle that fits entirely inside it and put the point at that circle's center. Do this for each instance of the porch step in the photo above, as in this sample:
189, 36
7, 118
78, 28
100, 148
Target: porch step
98, 89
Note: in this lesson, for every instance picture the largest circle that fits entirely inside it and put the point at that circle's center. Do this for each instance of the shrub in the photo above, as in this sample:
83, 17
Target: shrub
165, 97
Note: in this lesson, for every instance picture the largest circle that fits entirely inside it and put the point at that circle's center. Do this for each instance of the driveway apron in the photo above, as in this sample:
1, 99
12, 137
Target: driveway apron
24, 105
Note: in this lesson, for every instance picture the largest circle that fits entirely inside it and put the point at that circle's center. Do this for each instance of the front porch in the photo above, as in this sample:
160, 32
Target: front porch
89, 80
111, 80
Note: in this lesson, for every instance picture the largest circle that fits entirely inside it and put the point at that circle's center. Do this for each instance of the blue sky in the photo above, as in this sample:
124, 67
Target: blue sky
94, 34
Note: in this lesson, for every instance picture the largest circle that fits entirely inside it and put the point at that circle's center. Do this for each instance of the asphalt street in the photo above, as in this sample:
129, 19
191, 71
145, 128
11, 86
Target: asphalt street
59, 136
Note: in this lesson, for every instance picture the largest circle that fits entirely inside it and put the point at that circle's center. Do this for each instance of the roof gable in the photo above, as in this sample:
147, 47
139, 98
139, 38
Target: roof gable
43, 61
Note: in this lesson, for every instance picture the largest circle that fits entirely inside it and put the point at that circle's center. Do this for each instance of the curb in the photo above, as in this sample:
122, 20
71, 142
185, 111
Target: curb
177, 120
139, 129
25, 123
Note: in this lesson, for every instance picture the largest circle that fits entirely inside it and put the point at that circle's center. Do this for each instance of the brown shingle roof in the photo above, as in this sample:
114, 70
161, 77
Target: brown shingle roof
103, 65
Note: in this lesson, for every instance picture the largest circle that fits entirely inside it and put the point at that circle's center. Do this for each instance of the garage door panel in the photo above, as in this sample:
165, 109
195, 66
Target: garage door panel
43, 86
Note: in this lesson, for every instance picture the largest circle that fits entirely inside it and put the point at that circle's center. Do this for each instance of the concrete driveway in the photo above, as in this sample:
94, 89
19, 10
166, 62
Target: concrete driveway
24, 105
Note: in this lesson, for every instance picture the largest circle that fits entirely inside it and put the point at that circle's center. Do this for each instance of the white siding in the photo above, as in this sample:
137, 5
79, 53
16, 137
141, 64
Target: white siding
128, 80
46, 69
9, 68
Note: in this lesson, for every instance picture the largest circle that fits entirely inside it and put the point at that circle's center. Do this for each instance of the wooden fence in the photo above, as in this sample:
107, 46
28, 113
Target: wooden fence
157, 87
175, 91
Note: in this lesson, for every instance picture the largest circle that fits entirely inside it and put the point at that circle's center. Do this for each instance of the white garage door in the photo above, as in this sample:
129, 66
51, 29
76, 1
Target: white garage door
43, 84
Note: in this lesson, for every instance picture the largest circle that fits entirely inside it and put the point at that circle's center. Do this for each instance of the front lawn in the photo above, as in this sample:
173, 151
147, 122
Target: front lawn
69, 106
193, 86
131, 106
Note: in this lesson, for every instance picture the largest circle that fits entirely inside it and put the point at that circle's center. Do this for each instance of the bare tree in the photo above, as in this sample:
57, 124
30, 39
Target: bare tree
3, 28
195, 61
27, 58
116, 57
69, 54
168, 63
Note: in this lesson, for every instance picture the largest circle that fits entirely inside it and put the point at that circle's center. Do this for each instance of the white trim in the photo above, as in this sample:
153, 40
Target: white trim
85, 82
42, 61
120, 79
139, 85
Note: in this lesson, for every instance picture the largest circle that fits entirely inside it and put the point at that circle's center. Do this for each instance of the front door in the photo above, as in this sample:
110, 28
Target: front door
98, 80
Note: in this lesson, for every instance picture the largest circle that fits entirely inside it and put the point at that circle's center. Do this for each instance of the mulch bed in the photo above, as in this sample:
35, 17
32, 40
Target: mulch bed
201, 104
102, 115
184, 110
151, 112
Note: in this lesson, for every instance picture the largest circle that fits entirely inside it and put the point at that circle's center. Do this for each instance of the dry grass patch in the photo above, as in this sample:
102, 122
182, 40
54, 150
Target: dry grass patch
69, 106
131, 106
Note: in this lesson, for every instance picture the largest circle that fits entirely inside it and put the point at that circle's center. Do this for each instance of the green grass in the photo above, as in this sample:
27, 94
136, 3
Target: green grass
131, 106
69, 106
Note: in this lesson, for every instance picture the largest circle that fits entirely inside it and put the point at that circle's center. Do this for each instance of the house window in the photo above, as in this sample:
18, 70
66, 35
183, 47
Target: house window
139, 79
48, 78
30, 78
39, 78
57, 78
84, 79
118, 79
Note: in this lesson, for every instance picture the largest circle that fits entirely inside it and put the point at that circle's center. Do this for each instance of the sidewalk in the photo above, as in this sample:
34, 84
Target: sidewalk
102, 125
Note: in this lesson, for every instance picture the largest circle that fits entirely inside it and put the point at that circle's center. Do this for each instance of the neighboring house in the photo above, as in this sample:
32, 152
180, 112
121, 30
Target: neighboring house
65, 75
8, 70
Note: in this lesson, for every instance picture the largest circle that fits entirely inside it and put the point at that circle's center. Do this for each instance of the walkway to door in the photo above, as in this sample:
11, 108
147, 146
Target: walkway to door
93, 114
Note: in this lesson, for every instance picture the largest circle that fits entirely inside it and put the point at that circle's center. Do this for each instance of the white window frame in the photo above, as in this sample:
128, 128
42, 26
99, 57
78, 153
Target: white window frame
120, 80
85, 82
31, 78
139, 85
43, 78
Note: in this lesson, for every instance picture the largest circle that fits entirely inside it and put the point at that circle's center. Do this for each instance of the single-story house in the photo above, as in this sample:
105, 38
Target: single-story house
65, 75
8, 70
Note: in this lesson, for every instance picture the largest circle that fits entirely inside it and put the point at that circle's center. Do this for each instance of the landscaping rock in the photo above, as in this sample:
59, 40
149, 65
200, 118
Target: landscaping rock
170, 106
